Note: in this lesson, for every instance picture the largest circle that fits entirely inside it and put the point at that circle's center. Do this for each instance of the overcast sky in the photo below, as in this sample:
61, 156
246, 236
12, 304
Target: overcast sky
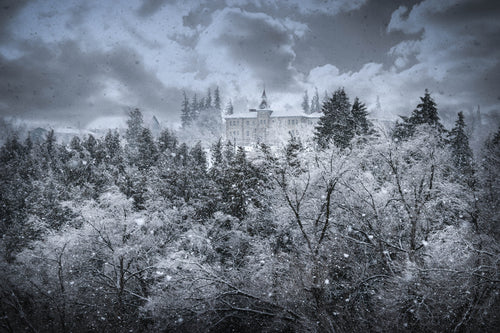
69, 62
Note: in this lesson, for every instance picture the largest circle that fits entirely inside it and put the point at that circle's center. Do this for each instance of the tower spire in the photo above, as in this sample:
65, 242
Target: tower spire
263, 103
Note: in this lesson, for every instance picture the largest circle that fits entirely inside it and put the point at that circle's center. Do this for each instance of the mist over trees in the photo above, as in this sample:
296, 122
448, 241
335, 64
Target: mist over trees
359, 229
201, 118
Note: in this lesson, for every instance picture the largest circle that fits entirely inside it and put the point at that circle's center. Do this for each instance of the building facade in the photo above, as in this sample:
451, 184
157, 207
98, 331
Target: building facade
263, 125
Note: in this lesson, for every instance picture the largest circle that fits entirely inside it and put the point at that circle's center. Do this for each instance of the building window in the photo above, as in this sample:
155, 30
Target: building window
248, 133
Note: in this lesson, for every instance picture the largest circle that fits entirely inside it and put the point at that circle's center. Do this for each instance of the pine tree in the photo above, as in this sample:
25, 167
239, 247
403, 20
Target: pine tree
292, 149
229, 108
147, 151
489, 186
167, 141
362, 126
134, 127
425, 113
305, 103
113, 148
201, 105
217, 101
194, 109
315, 107
76, 145
208, 100
90, 145
216, 156
336, 124
50, 145
133, 135
185, 111
243, 184
459, 143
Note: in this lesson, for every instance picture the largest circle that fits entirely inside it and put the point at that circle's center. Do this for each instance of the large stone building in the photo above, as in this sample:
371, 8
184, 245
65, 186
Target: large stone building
268, 126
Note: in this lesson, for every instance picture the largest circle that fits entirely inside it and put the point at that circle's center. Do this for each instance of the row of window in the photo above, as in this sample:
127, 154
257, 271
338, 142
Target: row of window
237, 133
264, 122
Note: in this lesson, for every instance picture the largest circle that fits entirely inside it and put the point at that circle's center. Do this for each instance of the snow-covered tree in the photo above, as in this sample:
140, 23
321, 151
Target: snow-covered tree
459, 143
229, 108
305, 103
315, 104
336, 125
425, 113
217, 99
362, 126
186, 114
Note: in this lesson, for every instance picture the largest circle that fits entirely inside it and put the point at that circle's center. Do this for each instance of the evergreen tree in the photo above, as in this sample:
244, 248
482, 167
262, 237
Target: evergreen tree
201, 105
305, 103
147, 152
208, 100
315, 106
459, 143
134, 127
229, 108
50, 145
133, 135
113, 147
167, 141
362, 126
489, 186
425, 113
243, 184
336, 124
194, 109
217, 101
76, 145
292, 149
199, 156
90, 145
186, 115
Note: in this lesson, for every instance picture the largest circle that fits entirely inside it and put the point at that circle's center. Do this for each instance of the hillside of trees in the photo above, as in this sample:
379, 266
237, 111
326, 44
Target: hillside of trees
358, 230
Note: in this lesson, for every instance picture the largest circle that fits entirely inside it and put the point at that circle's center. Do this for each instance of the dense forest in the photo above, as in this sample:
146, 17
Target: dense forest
359, 229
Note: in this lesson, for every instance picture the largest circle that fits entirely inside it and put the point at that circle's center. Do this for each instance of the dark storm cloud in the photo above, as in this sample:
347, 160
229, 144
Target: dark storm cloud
8, 10
349, 41
257, 43
149, 7
460, 43
78, 15
152, 44
62, 80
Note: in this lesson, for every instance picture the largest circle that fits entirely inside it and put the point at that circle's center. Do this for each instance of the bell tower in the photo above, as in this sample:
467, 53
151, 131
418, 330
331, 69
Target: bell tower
263, 104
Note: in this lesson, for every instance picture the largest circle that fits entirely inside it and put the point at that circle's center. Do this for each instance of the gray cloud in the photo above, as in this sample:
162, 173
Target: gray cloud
51, 81
240, 42
8, 10
460, 44
149, 7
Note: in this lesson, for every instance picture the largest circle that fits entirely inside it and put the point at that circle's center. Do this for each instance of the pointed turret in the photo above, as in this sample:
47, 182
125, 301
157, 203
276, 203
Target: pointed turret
263, 104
